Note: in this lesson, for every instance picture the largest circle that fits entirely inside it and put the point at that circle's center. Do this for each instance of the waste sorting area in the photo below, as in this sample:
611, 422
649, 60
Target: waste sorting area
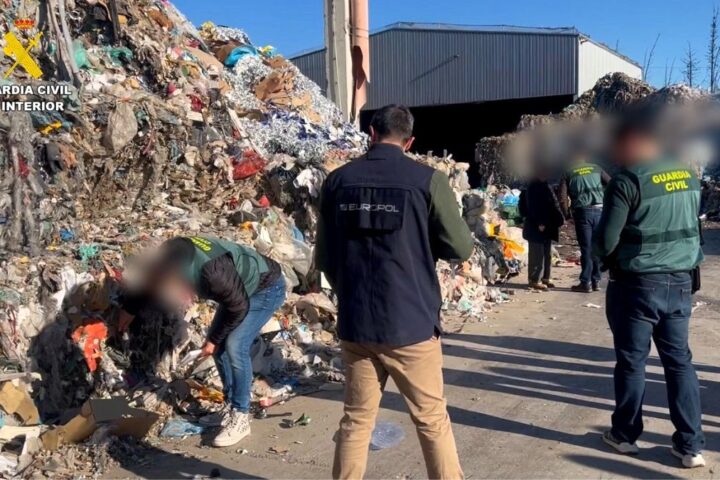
164, 129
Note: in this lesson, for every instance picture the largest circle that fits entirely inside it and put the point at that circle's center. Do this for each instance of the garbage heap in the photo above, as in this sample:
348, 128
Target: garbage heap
500, 251
165, 130
498, 163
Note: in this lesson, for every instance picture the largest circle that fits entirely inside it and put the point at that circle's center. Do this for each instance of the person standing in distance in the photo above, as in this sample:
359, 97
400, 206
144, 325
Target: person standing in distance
385, 220
649, 237
581, 198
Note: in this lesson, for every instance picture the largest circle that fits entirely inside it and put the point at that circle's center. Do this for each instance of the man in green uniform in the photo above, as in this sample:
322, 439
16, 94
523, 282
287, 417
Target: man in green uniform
581, 197
248, 288
649, 237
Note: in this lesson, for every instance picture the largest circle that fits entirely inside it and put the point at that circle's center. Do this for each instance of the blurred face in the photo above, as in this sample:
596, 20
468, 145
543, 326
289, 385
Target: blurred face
174, 291
635, 148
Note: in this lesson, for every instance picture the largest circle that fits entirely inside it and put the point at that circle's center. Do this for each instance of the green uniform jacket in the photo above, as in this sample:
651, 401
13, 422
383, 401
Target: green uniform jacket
650, 220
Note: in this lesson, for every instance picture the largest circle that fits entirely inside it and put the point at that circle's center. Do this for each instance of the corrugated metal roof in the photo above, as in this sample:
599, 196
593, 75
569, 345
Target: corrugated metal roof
422, 64
449, 27
438, 66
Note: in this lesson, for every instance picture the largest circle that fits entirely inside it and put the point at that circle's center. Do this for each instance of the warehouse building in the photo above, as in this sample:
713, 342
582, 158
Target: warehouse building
464, 83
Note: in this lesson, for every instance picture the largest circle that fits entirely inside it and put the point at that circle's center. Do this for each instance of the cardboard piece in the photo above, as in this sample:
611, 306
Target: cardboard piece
114, 412
8, 432
206, 59
15, 400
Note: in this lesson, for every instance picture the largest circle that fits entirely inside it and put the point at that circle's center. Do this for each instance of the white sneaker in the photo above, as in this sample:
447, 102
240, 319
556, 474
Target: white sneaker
216, 419
689, 460
622, 447
235, 429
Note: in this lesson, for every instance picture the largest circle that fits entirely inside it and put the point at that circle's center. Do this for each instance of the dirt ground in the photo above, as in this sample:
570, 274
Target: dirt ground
529, 393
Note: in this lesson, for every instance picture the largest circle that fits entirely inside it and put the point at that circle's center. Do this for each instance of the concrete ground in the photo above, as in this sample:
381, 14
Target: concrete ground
529, 393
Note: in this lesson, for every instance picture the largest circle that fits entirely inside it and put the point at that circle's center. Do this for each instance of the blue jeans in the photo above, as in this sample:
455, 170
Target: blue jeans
233, 357
657, 307
586, 221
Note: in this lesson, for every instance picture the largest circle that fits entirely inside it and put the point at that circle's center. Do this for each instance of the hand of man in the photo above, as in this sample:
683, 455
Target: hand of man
124, 320
207, 349
541, 228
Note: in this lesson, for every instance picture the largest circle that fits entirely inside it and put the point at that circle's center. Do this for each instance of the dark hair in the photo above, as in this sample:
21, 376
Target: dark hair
393, 121
640, 119
174, 254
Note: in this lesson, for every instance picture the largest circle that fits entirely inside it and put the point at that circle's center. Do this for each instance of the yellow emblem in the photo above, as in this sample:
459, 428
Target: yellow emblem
16, 50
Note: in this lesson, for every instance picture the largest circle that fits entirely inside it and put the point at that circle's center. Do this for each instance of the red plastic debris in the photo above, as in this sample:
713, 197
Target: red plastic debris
264, 201
233, 202
249, 164
197, 104
24, 169
91, 334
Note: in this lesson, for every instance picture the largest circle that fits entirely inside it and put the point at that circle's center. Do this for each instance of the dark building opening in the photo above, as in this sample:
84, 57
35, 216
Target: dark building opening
457, 128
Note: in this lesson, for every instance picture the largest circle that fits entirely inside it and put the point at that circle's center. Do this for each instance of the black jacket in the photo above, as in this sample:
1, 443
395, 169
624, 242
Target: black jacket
384, 221
539, 206
221, 283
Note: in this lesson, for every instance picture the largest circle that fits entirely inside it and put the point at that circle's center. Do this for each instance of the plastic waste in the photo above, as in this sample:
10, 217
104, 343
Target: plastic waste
302, 421
386, 435
278, 396
239, 53
179, 427
122, 127
250, 164
189, 358
120, 55
81, 58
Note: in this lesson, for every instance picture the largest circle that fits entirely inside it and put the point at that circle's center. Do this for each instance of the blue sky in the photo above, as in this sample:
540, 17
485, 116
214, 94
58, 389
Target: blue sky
295, 25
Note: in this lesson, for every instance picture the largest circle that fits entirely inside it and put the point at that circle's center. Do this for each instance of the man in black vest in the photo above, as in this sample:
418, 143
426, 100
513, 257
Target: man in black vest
649, 237
384, 221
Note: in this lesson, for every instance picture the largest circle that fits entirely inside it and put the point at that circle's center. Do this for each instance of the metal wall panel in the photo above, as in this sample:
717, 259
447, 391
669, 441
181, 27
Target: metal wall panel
595, 61
421, 67
312, 65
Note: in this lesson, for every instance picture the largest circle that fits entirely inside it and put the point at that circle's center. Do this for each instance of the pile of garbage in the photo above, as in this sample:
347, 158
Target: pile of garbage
168, 130
164, 130
499, 159
500, 253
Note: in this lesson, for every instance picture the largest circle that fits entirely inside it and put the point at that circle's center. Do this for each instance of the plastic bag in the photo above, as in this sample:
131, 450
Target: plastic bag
250, 164
189, 358
179, 427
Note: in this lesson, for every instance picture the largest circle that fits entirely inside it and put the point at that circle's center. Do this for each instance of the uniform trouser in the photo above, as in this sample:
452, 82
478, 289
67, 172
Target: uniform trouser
539, 260
232, 358
657, 307
586, 221
417, 371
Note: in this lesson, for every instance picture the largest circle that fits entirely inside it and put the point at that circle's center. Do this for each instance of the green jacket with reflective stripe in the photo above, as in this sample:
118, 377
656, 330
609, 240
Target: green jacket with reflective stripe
662, 234
250, 265
585, 185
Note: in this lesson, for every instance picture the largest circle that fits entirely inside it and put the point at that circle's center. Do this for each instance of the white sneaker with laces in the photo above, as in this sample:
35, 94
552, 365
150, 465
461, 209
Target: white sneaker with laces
689, 460
622, 447
216, 419
235, 429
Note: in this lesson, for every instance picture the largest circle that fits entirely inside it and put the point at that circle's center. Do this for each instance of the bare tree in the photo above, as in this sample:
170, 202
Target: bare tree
669, 71
690, 66
647, 61
713, 51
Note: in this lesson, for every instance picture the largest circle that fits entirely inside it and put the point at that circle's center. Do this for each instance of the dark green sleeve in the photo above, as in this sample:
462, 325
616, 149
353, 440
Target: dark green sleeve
621, 198
450, 236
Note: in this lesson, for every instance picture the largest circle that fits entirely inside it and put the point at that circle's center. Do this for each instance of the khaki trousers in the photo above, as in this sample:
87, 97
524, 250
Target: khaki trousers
417, 372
